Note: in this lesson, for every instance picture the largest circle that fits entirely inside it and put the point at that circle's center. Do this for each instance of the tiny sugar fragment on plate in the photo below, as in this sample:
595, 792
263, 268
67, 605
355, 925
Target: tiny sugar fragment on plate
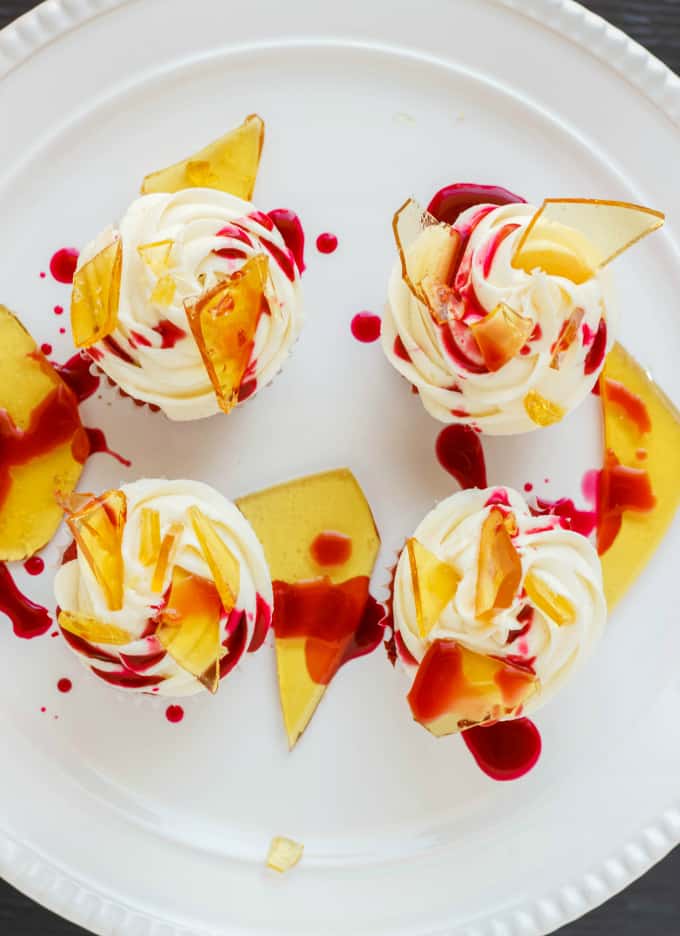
501, 315
167, 589
162, 300
284, 854
43, 444
321, 542
523, 605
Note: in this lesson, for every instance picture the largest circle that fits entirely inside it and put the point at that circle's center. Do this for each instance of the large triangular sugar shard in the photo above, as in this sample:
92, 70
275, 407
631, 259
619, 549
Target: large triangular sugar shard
456, 688
500, 335
224, 566
575, 237
317, 608
224, 321
149, 536
189, 626
98, 527
93, 630
640, 477
428, 251
43, 444
499, 567
554, 605
166, 554
435, 584
229, 164
96, 294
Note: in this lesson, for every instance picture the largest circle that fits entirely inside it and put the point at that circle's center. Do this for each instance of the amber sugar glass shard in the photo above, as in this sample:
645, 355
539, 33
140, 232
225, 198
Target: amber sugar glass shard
95, 296
575, 237
286, 519
434, 585
284, 854
42, 443
169, 545
97, 528
149, 536
223, 321
189, 626
499, 567
557, 607
229, 164
456, 688
542, 411
500, 335
640, 532
224, 566
428, 251
94, 631
157, 256
567, 336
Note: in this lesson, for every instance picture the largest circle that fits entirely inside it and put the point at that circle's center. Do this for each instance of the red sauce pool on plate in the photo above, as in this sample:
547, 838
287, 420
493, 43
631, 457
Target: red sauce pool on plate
63, 264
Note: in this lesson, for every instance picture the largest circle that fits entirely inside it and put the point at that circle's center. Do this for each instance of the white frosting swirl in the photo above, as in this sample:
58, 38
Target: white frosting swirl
77, 590
563, 560
455, 390
174, 377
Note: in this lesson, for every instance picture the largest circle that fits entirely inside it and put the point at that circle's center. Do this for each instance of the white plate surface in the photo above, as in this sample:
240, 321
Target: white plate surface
127, 824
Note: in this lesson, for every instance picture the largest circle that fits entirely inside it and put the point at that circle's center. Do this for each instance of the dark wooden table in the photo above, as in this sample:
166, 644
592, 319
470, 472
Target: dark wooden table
651, 906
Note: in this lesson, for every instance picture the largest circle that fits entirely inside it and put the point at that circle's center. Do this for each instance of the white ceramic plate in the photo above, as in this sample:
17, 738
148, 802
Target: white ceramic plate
127, 824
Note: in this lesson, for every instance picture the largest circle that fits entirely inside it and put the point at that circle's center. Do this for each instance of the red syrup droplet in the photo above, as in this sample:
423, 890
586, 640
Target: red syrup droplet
43, 274
64, 685
42, 708
77, 376
63, 264
330, 548
400, 350
58, 310
326, 243
506, 750
290, 228
98, 443
46, 348
263, 620
451, 201
528, 487
35, 565
169, 332
460, 452
365, 327
28, 619
174, 714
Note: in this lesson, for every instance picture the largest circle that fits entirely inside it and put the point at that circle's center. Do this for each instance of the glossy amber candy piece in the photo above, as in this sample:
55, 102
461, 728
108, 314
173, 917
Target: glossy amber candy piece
163, 292
500, 335
149, 536
229, 164
575, 237
434, 585
428, 251
224, 566
541, 411
95, 296
94, 631
42, 442
639, 533
567, 336
97, 527
189, 627
557, 607
166, 553
223, 321
456, 688
499, 567
284, 854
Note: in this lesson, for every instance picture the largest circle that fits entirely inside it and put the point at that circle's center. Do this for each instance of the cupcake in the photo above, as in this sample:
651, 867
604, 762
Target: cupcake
494, 609
503, 320
164, 588
174, 259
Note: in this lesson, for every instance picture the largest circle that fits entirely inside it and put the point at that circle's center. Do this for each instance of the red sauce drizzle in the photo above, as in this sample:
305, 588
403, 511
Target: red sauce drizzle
127, 680
116, 349
77, 376
330, 548
98, 443
174, 714
235, 642
451, 201
169, 332
506, 750
35, 565
63, 264
631, 404
139, 662
493, 245
137, 338
571, 517
247, 389
460, 452
290, 228
326, 243
263, 620
400, 350
597, 350
64, 685
28, 619
58, 310
365, 327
